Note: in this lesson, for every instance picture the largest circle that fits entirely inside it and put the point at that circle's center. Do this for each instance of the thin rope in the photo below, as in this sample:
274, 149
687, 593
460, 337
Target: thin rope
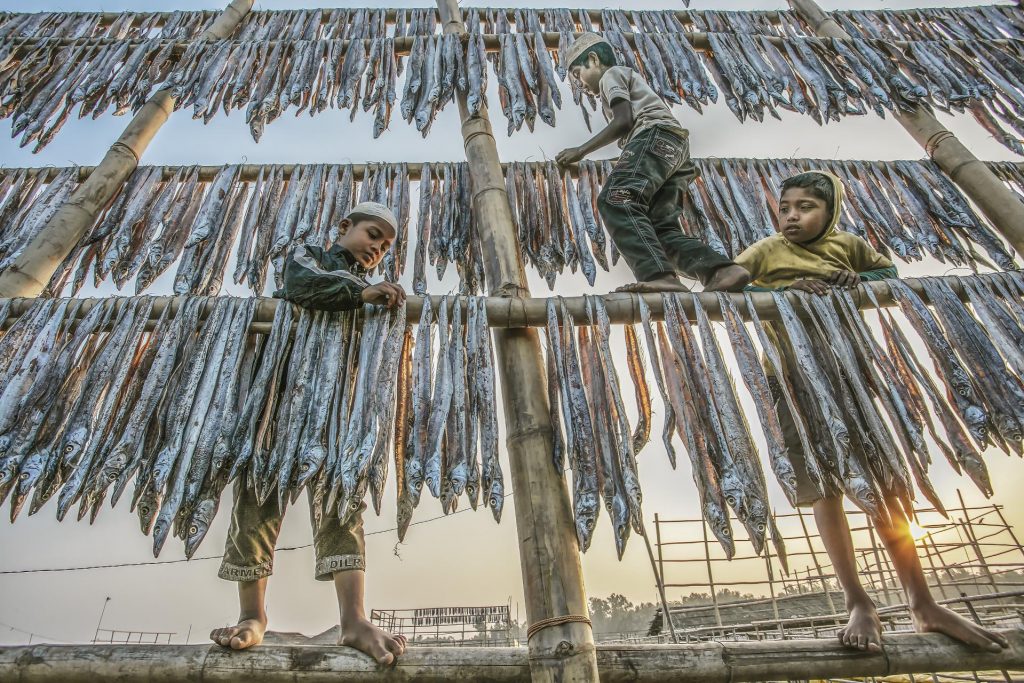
557, 621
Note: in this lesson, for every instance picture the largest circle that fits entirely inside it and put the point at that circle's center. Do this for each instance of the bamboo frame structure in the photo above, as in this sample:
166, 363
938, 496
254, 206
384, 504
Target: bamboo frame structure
978, 544
1003, 210
722, 662
27, 276
516, 313
548, 551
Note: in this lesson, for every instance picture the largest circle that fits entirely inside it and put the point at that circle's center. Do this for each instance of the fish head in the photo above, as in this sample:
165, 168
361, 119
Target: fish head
147, 508
5, 442
72, 444
719, 523
30, 472
977, 422
864, 495
496, 499
312, 458
114, 464
586, 508
1008, 427
205, 511
8, 473
620, 522
405, 509
161, 529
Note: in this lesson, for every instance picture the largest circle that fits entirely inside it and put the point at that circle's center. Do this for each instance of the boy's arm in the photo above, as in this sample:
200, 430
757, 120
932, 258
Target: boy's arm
879, 273
309, 284
621, 124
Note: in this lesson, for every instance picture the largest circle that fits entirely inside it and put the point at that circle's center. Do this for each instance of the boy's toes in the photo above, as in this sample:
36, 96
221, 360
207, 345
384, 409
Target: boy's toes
394, 645
385, 659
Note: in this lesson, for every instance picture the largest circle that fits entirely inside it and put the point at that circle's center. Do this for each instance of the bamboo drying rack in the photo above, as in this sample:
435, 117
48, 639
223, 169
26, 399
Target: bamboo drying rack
552, 574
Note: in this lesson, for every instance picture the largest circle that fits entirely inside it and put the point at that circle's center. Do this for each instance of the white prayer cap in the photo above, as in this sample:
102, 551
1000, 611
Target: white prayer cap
582, 44
374, 210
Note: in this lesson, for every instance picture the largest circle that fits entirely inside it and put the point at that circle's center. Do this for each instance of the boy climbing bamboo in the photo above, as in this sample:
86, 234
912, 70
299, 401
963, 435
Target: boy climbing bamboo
809, 254
641, 202
330, 280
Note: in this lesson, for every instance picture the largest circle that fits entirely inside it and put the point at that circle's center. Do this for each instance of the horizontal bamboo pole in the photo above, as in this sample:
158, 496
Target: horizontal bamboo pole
512, 312
717, 662
391, 15
248, 172
403, 45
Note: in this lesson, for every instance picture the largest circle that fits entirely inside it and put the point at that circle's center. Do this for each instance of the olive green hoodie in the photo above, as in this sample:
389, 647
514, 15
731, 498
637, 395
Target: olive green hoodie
775, 262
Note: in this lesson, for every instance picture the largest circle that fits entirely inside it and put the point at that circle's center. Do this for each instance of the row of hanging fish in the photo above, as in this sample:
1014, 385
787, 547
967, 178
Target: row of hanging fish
301, 24
592, 430
169, 215
865, 404
186, 403
166, 216
988, 22
907, 208
42, 82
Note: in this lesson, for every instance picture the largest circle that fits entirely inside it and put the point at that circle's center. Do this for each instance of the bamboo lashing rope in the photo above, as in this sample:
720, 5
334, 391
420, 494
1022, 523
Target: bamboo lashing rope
557, 621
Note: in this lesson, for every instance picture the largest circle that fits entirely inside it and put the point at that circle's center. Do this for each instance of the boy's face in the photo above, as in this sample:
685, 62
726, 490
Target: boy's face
802, 216
589, 74
367, 239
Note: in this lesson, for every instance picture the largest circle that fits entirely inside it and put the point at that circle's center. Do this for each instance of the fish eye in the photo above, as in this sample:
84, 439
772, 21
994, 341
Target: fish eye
24, 476
69, 448
305, 467
112, 476
193, 530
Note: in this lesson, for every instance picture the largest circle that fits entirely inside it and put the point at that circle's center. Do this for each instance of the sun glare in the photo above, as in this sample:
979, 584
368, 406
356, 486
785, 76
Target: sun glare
917, 532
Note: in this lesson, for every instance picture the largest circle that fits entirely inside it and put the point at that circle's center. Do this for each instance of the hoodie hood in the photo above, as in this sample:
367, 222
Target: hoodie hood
838, 194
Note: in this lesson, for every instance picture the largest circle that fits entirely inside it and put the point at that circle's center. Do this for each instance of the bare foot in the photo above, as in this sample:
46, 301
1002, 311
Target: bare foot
864, 630
935, 618
379, 644
245, 634
728, 279
668, 283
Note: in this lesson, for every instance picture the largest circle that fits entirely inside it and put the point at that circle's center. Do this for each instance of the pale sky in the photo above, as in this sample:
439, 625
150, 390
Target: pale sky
462, 560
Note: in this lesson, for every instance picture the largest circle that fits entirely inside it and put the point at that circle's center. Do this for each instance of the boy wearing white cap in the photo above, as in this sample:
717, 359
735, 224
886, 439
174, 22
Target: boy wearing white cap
641, 202
329, 280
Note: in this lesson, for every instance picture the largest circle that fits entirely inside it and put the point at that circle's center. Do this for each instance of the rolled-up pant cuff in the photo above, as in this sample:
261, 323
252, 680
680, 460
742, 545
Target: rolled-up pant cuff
233, 572
327, 567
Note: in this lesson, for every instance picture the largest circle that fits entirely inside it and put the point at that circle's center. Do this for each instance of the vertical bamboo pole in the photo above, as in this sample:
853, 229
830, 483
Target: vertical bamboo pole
659, 584
661, 579
548, 552
817, 565
28, 275
878, 563
977, 181
935, 571
999, 511
711, 574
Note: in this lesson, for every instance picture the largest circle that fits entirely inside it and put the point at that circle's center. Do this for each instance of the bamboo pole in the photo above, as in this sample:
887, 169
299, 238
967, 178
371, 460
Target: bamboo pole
719, 662
249, 172
517, 313
548, 551
1002, 208
28, 275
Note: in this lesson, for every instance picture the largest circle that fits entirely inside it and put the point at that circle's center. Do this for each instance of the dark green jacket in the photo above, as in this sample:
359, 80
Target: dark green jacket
323, 279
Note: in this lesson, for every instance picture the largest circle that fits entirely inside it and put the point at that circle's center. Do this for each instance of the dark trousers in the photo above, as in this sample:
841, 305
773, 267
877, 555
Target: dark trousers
641, 203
